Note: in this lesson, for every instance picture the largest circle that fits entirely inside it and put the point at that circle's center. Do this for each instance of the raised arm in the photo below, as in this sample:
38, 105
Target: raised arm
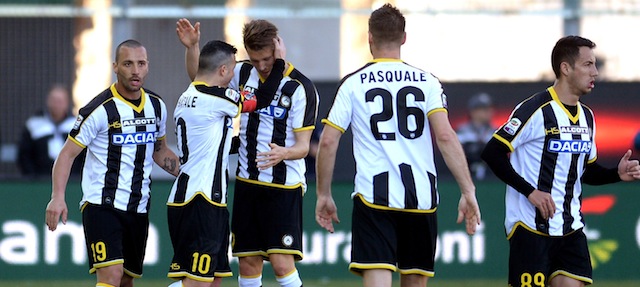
453, 155
189, 36
57, 207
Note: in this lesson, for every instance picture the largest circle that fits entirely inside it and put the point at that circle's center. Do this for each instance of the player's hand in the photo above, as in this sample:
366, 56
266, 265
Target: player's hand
326, 212
544, 202
56, 209
270, 158
469, 210
280, 50
189, 35
628, 170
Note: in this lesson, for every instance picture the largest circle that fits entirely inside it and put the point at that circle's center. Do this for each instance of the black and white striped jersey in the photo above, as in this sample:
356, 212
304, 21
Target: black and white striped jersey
550, 150
387, 103
119, 138
204, 127
294, 108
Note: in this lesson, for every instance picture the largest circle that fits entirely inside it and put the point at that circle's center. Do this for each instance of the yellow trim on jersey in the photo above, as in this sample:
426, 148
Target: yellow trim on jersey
382, 207
190, 276
431, 112
222, 274
309, 128
504, 141
161, 138
276, 185
76, 142
105, 264
572, 276
417, 271
284, 251
378, 60
194, 196
195, 83
134, 275
592, 160
329, 123
369, 266
554, 95
521, 224
286, 73
139, 108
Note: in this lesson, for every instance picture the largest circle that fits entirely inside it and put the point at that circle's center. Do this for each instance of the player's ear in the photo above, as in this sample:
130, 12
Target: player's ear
564, 68
404, 38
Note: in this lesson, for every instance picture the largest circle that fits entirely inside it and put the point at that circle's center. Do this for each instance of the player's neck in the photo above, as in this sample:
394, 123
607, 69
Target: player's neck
389, 53
210, 81
129, 95
565, 93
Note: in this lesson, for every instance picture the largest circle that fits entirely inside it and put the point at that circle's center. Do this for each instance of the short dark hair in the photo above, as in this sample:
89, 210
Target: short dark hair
386, 25
129, 44
215, 54
567, 50
259, 34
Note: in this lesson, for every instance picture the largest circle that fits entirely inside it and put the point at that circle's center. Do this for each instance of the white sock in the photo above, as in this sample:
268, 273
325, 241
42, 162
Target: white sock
291, 280
176, 284
250, 282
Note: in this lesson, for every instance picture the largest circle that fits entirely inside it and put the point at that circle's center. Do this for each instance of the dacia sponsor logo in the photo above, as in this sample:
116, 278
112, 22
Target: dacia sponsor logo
138, 122
574, 130
134, 138
569, 146
273, 111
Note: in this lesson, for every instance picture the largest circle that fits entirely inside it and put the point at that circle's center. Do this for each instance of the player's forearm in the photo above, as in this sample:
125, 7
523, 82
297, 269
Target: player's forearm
456, 161
60, 176
166, 159
191, 60
297, 151
325, 163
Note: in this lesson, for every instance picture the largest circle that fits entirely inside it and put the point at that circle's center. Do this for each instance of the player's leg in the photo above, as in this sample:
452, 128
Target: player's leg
376, 278
126, 281
103, 230
529, 258
284, 237
571, 263
134, 244
374, 244
417, 234
247, 233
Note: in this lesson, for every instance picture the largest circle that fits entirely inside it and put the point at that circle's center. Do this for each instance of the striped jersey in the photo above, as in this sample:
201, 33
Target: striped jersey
387, 103
119, 137
293, 109
550, 150
204, 127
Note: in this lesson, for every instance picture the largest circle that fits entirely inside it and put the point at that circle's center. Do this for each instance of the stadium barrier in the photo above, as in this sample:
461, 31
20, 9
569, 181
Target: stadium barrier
29, 250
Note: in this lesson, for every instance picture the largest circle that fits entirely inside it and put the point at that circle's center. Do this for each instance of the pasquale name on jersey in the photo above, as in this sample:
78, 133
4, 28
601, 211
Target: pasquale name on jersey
392, 76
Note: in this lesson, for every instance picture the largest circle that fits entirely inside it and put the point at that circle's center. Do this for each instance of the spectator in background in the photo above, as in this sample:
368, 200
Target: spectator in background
475, 134
44, 134
636, 141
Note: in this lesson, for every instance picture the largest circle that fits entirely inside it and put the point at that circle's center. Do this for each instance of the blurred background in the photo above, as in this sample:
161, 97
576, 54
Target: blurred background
499, 48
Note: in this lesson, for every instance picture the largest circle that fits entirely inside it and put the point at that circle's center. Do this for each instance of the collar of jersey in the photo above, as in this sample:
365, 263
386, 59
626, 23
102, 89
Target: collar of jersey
286, 73
554, 95
378, 60
199, 83
118, 96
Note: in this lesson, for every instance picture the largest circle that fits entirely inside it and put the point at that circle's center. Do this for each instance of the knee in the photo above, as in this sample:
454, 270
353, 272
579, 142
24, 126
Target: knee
112, 275
282, 264
250, 266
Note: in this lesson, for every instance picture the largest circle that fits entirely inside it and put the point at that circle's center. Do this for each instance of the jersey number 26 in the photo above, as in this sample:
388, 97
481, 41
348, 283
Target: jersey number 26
403, 113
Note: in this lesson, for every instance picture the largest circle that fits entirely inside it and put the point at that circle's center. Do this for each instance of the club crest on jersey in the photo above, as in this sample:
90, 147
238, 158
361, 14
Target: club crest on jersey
76, 125
512, 126
138, 138
569, 146
285, 101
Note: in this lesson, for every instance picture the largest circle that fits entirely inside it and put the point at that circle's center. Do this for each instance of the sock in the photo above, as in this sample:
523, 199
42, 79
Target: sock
291, 280
104, 285
250, 281
176, 284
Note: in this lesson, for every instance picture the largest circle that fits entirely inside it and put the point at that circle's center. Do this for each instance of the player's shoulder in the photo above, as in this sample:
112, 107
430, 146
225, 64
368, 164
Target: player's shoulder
152, 94
216, 92
99, 100
525, 109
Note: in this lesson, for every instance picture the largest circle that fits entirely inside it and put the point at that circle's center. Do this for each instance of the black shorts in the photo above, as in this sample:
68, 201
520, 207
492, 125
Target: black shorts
535, 259
199, 234
115, 237
266, 220
393, 240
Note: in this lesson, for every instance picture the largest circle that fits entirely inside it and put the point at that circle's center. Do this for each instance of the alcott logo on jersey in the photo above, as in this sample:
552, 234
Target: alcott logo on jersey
569, 146
134, 138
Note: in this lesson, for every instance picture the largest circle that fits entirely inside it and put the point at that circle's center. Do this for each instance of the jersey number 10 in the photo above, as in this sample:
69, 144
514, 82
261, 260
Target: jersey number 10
403, 113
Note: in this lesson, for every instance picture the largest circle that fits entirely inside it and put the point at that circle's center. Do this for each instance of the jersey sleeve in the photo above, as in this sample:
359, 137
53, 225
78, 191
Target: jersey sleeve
593, 155
230, 105
516, 130
88, 126
341, 111
304, 108
162, 126
436, 100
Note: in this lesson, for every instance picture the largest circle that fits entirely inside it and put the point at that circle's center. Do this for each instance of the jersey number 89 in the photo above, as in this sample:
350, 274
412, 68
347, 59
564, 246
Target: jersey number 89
403, 113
